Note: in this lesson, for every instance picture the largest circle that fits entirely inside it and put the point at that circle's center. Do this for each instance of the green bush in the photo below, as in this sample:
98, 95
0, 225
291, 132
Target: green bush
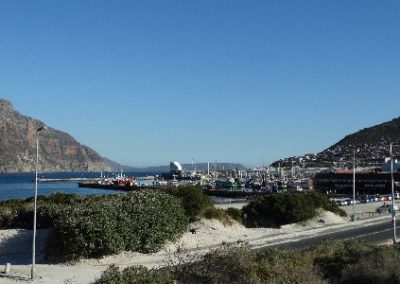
357, 262
102, 225
328, 262
223, 265
193, 198
282, 266
219, 214
9, 210
278, 209
285, 208
133, 275
235, 214
322, 201
378, 266
227, 264
18, 213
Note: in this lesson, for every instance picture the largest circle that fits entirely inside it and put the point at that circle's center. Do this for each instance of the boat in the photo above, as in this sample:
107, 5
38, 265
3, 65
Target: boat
120, 182
111, 186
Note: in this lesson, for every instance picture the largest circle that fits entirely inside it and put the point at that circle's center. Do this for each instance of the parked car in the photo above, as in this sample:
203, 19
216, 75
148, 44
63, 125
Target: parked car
366, 199
386, 208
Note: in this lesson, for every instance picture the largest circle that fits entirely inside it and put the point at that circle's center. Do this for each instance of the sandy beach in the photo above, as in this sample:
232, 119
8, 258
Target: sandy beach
15, 247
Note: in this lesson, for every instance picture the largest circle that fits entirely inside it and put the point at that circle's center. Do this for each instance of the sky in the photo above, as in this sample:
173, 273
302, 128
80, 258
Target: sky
148, 82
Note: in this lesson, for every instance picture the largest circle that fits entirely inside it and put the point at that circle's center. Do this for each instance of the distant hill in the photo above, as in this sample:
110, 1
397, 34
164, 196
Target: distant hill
58, 151
187, 167
371, 144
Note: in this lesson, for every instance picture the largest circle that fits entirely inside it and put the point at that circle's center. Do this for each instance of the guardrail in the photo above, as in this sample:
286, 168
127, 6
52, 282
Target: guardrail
363, 215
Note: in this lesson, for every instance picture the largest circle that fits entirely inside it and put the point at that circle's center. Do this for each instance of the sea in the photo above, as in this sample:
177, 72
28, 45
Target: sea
22, 186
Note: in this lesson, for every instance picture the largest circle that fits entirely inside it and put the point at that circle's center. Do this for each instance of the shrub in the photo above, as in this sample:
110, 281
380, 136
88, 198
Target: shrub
193, 198
133, 275
219, 214
281, 266
6, 218
279, 209
322, 201
231, 264
336, 256
378, 266
357, 262
18, 213
223, 265
102, 225
235, 214
9, 210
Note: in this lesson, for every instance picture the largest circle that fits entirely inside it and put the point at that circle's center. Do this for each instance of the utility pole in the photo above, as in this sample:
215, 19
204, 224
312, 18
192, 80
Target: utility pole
35, 203
354, 183
393, 202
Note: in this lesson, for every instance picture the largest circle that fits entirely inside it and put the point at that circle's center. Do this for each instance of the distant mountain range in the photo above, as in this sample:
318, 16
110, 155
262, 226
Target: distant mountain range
187, 167
371, 145
58, 151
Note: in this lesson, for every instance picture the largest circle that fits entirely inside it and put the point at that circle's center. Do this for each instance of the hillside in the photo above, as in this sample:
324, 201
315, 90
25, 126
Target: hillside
58, 151
371, 144
188, 167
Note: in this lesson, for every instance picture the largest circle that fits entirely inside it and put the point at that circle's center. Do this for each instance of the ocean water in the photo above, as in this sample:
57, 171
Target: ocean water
21, 186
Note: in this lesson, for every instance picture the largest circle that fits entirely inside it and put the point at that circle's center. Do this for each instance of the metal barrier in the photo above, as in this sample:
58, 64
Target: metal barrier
363, 215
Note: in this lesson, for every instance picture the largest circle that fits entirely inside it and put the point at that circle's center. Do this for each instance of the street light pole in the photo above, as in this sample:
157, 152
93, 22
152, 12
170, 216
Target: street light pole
35, 202
354, 182
393, 203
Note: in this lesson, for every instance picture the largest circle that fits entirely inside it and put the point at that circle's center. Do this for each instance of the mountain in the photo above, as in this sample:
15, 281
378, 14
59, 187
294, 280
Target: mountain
371, 145
189, 167
58, 151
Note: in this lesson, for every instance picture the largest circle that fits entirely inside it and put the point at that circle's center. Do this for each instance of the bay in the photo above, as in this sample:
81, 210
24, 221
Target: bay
21, 185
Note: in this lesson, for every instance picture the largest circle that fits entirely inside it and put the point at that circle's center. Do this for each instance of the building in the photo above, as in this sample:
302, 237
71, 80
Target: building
175, 168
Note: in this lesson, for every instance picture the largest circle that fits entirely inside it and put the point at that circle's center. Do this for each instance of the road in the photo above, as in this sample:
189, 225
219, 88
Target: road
376, 233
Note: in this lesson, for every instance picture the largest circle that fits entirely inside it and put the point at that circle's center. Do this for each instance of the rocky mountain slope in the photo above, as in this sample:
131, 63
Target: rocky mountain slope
371, 145
58, 151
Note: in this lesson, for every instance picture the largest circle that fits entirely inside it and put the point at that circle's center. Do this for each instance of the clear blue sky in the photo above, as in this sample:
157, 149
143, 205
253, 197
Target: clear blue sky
147, 82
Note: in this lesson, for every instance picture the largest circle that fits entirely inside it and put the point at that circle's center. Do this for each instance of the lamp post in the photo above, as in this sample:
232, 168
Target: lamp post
35, 201
354, 182
393, 203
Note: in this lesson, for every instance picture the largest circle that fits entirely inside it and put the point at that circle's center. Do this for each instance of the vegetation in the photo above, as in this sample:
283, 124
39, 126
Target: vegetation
133, 275
322, 201
219, 214
280, 209
94, 226
198, 205
328, 262
102, 225
356, 262
193, 199
16, 213
235, 214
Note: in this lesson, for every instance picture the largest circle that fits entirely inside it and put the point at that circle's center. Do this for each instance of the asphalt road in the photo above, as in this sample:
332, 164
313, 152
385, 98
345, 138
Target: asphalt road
377, 234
